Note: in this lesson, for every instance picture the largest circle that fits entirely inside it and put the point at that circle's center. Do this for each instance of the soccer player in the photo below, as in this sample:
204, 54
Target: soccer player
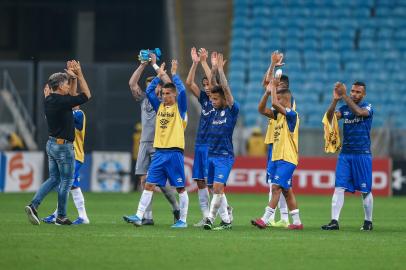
169, 141
58, 112
276, 61
284, 154
199, 171
354, 165
146, 149
221, 153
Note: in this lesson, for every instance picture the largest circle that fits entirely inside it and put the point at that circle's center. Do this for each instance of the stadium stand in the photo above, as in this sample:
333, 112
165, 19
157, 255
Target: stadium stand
323, 42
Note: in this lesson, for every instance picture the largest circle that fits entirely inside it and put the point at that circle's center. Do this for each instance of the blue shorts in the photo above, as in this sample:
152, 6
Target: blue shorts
219, 169
200, 161
167, 164
76, 180
281, 173
269, 163
354, 172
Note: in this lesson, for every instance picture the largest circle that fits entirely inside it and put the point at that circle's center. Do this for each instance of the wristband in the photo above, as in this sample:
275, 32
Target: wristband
155, 66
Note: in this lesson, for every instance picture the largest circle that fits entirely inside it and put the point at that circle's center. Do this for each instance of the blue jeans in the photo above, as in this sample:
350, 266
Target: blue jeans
61, 158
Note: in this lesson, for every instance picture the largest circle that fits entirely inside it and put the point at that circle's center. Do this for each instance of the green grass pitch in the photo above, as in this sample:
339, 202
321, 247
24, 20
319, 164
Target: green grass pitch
109, 243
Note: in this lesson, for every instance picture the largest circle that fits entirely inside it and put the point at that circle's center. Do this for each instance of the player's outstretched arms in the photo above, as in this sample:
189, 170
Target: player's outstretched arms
271, 90
161, 72
73, 79
135, 88
223, 80
214, 69
276, 61
182, 103
190, 80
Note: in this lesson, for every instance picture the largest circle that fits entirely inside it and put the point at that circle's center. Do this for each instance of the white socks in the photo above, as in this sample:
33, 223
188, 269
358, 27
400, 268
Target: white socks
183, 205
269, 212
337, 203
295, 217
79, 201
148, 211
145, 200
283, 208
223, 211
368, 203
204, 198
215, 206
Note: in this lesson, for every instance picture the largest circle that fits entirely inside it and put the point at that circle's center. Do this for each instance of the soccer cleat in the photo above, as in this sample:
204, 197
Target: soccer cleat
223, 226
258, 223
332, 226
179, 224
200, 223
62, 221
367, 226
271, 223
49, 219
295, 227
230, 213
147, 222
176, 216
281, 224
80, 221
32, 214
208, 225
134, 219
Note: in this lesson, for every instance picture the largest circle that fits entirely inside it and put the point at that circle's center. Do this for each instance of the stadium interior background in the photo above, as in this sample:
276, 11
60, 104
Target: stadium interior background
323, 42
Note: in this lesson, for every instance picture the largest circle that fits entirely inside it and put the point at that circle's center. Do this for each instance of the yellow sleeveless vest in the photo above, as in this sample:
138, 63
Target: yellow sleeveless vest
169, 127
79, 142
270, 131
286, 143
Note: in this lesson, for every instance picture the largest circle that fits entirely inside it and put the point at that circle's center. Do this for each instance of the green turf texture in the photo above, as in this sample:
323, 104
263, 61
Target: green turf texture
110, 243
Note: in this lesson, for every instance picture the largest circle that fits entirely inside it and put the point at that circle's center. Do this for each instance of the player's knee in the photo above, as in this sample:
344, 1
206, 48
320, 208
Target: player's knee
218, 188
276, 189
149, 187
180, 190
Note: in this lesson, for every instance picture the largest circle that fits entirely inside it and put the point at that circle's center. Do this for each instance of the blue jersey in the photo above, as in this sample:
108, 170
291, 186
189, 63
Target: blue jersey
204, 122
357, 139
78, 119
221, 130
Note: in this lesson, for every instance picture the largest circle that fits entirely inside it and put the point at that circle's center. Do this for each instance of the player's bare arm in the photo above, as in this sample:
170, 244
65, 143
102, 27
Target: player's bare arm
223, 80
214, 67
190, 80
203, 54
161, 72
262, 109
276, 61
136, 90
336, 97
271, 89
73, 82
77, 69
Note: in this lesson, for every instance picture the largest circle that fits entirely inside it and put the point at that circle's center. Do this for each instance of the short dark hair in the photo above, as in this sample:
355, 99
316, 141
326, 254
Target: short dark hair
204, 78
358, 83
285, 79
170, 85
218, 89
56, 80
149, 79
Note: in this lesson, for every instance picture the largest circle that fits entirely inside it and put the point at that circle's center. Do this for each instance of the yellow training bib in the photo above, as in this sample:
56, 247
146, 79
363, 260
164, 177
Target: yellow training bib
79, 142
286, 143
169, 127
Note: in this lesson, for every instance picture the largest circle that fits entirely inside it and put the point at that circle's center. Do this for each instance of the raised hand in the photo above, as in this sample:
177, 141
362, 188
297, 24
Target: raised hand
195, 57
220, 61
153, 58
76, 68
203, 54
70, 70
214, 60
277, 58
47, 90
174, 66
339, 90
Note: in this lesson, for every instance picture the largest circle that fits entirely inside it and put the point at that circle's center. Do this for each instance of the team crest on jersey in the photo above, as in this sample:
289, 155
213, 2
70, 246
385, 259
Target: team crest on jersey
163, 123
222, 113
